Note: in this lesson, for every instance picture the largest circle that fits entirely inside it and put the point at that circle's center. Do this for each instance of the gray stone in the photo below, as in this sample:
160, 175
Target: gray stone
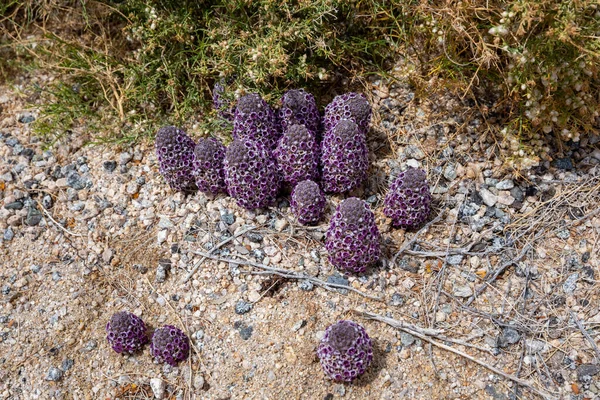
124, 158
242, 307
34, 217
306, 285
571, 283
67, 364
397, 300
413, 151
158, 387
56, 276
26, 118
8, 234
47, 202
509, 336
450, 172
587, 370
298, 325
407, 339
228, 218
162, 270
488, 197
109, 166
35, 268
463, 291
563, 234
54, 374
339, 280
506, 184
244, 330
254, 237
75, 181
14, 205
455, 259
535, 346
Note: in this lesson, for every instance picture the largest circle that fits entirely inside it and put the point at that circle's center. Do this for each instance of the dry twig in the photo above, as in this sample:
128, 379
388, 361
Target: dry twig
423, 336
284, 273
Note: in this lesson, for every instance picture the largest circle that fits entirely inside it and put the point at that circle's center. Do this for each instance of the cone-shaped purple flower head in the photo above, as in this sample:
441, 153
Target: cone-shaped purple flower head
346, 351
352, 239
297, 155
126, 332
408, 201
208, 166
251, 174
308, 202
255, 120
300, 107
344, 158
175, 152
169, 345
352, 106
222, 105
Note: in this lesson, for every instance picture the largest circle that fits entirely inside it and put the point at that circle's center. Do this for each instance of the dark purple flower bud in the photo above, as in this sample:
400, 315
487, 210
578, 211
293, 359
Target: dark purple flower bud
251, 174
352, 239
308, 202
408, 202
255, 120
170, 345
300, 107
175, 152
346, 351
344, 158
352, 106
126, 332
297, 155
208, 166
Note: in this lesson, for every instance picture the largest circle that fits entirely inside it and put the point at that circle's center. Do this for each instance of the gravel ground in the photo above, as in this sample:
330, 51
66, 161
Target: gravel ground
505, 271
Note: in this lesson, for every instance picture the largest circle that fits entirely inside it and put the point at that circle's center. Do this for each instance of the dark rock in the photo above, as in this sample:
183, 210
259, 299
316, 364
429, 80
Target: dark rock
47, 202
67, 364
509, 336
244, 330
109, 166
175, 248
54, 374
254, 237
584, 371
228, 218
8, 234
397, 299
34, 217
409, 264
75, 181
563, 163
15, 205
27, 153
339, 280
26, 118
306, 285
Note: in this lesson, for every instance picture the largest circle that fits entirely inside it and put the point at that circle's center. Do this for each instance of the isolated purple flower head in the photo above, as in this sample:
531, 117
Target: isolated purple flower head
297, 155
352, 106
408, 202
126, 332
208, 166
255, 120
344, 158
352, 239
308, 202
346, 351
251, 174
175, 152
170, 345
300, 107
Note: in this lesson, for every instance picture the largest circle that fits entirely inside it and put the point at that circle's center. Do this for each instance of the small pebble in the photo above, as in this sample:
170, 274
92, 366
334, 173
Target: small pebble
54, 374
242, 307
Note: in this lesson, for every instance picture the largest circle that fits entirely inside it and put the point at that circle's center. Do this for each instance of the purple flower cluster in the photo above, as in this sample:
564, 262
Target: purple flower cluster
255, 120
169, 345
126, 332
175, 152
308, 202
344, 158
345, 351
352, 106
352, 239
299, 107
251, 174
208, 166
297, 154
408, 201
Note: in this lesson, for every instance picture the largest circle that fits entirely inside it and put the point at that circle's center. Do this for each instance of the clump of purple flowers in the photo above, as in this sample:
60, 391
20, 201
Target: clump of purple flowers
175, 152
255, 120
297, 155
352, 239
126, 332
346, 351
344, 158
208, 166
352, 106
170, 345
251, 174
299, 107
408, 202
308, 202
